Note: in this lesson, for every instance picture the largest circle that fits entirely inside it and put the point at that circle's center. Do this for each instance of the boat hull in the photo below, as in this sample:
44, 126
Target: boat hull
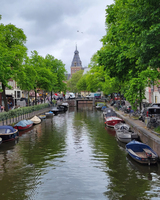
20, 128
9, 136
125, 138
141, 153
112, 121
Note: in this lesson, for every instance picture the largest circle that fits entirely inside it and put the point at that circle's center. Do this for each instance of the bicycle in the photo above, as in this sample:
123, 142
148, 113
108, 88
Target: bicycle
154, 122
134, 113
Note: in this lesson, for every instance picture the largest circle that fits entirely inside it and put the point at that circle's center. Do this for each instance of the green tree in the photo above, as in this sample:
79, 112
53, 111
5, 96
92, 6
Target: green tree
72, 83
82, 83
44, 76
13, 51
58, 69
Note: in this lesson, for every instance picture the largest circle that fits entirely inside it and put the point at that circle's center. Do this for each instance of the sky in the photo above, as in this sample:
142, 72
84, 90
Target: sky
55, 27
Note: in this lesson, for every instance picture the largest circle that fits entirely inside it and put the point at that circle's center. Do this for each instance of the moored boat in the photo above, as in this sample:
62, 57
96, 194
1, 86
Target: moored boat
42, 116
112, 121
124, 133
59, 109
99, 106
49, 114
36, 120
65, 104
8, 133
23, 125
141, 152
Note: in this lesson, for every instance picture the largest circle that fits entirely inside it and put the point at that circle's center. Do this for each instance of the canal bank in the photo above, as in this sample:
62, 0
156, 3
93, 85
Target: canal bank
146, 135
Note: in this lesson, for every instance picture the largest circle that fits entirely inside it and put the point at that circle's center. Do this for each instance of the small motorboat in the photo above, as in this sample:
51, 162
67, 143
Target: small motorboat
42, 116
59, 109
111, 118
141, 152
108, 112
36, 120
8, 133
49, 114
23, 125
65, 104
125, 135
103, 107
99, 106
112, 121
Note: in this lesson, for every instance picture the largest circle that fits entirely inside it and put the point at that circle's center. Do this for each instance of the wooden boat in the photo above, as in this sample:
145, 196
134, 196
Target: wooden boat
49, 114
36, 120
141, 152
8, 133
23, 125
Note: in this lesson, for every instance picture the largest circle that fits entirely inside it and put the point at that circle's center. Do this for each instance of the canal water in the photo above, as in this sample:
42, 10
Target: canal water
72, 156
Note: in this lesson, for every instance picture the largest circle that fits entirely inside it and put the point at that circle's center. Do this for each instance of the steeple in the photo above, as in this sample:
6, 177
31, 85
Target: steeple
76, 62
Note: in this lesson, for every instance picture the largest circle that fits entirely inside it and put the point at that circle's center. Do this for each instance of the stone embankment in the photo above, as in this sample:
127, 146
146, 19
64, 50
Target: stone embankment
146, 135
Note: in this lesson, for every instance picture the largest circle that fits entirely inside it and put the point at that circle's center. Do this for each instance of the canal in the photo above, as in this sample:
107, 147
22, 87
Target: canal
72, 156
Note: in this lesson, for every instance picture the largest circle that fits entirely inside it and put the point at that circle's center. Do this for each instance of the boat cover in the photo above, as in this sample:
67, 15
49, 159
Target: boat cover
24, 123
35, 119
7, 129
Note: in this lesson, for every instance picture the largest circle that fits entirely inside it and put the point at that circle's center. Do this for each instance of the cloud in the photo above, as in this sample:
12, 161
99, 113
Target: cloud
51, 26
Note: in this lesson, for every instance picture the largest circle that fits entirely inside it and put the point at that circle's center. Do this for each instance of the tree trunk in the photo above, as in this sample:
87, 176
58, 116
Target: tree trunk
28, 98
51, 96
140, 104
4, 98
35, 97
120, 98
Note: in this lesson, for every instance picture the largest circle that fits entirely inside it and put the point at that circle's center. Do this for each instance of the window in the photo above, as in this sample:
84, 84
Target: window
18, 94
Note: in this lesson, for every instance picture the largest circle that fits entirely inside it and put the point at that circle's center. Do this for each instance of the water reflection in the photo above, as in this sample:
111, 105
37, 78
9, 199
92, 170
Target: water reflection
73, 156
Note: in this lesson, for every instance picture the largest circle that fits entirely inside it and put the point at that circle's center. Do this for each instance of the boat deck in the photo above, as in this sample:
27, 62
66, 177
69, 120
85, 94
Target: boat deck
143, 153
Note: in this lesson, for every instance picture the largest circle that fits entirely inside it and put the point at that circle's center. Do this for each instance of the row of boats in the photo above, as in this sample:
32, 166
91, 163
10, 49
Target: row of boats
140, 152
8, 133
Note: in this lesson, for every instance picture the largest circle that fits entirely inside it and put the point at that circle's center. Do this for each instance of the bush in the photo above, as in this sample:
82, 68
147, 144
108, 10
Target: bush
21, 111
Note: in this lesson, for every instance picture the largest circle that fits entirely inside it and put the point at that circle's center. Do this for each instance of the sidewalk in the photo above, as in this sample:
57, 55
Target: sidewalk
146, 135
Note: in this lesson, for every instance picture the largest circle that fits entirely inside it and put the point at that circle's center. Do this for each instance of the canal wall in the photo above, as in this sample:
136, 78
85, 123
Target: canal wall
146, 135
16, 119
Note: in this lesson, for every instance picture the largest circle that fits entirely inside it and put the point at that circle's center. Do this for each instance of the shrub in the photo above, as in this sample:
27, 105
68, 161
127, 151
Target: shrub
21, 111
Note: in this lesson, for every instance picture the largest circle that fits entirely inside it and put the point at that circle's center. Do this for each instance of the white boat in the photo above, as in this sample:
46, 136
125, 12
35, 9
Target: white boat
36, 120
99, 105
49, 114
124, 133
65, 104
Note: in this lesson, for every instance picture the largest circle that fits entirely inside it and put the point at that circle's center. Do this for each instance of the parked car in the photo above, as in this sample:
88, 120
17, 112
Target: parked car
155, 105
150, 112
94, 95
70, 95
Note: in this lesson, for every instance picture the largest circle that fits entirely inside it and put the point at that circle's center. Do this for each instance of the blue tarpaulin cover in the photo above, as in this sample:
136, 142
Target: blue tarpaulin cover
24, 123
6, 129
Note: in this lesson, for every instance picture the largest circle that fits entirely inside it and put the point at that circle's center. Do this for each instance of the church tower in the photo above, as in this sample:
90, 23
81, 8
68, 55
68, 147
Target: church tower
76, 62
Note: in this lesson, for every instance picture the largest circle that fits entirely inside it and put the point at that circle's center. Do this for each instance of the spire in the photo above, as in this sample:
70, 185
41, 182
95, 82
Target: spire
76, 62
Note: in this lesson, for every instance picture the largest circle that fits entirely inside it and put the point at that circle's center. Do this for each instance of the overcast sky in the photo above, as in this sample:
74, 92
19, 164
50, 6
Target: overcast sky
56, 26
